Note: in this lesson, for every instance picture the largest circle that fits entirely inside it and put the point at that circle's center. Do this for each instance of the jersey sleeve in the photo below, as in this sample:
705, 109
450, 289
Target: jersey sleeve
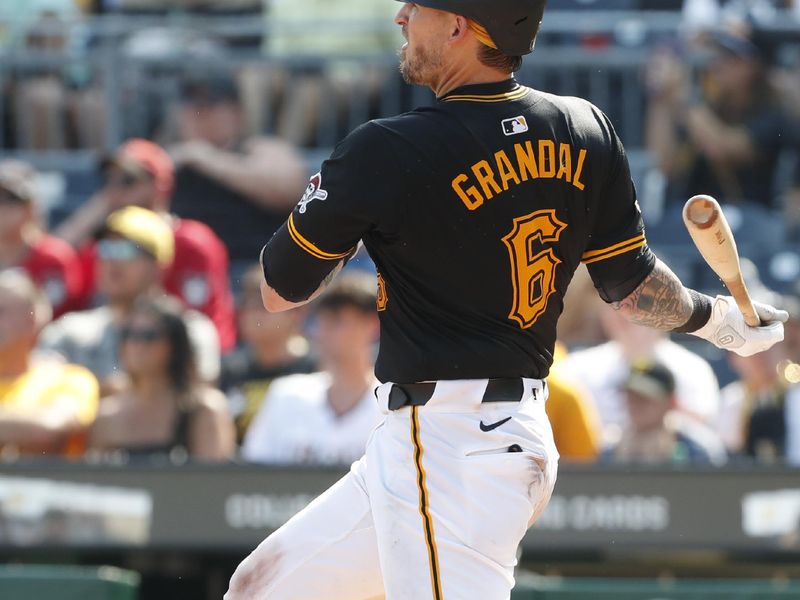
617, 256
342, 202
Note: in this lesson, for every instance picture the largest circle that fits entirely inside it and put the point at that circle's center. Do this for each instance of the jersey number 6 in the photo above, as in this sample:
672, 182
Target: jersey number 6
532, 268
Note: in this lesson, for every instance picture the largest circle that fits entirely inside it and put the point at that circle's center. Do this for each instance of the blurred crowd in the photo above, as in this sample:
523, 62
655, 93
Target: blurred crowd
132, 328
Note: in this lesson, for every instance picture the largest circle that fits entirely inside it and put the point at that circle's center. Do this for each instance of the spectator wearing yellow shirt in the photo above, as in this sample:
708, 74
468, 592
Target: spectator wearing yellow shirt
572, 414
45, 406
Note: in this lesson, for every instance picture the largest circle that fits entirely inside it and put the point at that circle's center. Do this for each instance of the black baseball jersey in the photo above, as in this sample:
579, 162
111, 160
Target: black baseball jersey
476, 212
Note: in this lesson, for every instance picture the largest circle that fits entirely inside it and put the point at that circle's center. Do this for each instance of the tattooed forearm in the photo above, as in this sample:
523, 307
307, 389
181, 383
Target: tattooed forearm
661, 301
327, 281
331, 276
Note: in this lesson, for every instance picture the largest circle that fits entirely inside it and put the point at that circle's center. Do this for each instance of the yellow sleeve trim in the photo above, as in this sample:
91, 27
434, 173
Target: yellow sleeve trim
309, 247
615, 250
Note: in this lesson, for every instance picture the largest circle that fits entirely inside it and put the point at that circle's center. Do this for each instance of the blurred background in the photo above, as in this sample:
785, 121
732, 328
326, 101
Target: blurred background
156, 423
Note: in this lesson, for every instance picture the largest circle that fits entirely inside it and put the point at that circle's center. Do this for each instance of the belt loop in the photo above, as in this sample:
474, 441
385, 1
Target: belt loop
398, 397
504, 390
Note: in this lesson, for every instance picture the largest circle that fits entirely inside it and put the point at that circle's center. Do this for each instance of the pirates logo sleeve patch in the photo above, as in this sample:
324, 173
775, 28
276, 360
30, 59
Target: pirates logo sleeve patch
313, 192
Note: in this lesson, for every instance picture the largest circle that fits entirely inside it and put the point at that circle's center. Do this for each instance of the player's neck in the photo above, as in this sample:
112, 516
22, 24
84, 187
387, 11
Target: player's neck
461, 74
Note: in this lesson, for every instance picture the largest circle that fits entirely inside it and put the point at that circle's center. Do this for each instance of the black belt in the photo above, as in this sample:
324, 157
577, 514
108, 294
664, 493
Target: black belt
418, 394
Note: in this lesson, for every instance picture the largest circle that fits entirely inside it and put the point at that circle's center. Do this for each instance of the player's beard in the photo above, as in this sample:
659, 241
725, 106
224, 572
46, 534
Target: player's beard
421, 67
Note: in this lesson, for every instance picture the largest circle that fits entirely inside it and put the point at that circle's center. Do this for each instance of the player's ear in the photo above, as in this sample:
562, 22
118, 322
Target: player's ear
459, 28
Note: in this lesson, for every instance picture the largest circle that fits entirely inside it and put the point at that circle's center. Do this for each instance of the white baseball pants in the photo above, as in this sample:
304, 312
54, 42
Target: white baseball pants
435, 510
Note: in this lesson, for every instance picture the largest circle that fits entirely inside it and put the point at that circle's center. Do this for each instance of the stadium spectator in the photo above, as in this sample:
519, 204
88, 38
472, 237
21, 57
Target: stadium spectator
760, 415
243, 188
791, 339
54, 106
165, 410
653, 433
572, 413
273, 346
723, 136
326, 417
45, 405
603, 369
793, 200
136, 246
352, 28
580, 324
52, 264
141, 173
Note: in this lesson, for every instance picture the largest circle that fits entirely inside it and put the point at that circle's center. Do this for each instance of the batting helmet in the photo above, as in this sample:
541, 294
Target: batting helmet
511, 24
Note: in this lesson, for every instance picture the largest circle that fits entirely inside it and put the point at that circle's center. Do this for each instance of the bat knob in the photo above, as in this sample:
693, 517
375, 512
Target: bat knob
701, 210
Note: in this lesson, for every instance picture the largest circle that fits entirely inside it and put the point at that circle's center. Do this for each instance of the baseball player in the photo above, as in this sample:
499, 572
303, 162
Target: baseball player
476, 211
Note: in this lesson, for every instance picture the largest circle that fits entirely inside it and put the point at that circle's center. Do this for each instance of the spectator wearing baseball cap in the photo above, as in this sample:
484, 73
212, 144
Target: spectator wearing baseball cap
141, 173
603, 368
242, 186
51, 263
654, 433
135, 247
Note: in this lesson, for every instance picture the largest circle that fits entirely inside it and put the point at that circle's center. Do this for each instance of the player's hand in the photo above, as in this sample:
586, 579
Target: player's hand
726, 328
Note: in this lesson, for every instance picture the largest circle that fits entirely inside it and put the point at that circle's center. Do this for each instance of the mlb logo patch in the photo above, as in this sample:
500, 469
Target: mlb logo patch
515, 126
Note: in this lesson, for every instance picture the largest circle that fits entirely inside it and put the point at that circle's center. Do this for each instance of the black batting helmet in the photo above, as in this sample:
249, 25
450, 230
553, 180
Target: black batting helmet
512, 24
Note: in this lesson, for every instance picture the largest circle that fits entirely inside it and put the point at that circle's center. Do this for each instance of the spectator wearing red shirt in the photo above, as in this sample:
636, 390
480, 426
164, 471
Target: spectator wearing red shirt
50, 262
142, 174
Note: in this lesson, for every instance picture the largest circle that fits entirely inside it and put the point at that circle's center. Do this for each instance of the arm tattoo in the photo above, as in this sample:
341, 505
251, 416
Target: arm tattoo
327, 281
336, 270
331, 276
661, 301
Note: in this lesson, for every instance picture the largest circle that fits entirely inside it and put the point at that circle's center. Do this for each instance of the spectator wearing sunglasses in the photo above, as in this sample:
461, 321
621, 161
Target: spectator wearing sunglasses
164, 411
141, 173
136, 246
51, 263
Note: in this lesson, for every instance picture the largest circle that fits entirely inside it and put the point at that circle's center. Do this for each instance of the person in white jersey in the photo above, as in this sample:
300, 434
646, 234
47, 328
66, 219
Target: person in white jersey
325, 417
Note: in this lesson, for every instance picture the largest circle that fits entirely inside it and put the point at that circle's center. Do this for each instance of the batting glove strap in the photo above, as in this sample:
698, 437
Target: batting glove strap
701, 313
726, 328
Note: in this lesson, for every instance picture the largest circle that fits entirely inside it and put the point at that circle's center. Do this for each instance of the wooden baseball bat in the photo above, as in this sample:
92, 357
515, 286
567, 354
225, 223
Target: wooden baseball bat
713, 237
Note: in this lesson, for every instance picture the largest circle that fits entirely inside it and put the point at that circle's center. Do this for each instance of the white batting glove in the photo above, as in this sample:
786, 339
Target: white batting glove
726, 328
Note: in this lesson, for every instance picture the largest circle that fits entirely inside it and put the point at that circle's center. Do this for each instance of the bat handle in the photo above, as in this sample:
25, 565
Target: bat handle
738, 290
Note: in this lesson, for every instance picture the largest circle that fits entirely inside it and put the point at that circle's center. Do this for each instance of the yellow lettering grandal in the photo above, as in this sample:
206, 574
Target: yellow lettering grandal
545, 160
